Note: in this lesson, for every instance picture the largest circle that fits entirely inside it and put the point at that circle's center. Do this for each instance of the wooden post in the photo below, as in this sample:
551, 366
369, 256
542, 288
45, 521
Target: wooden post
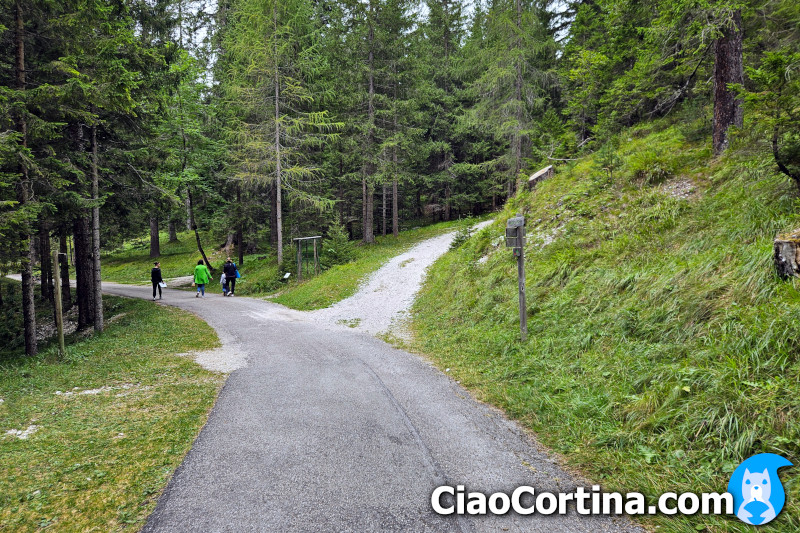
316, 259
523, 314
59, 311
299, 261
515, 239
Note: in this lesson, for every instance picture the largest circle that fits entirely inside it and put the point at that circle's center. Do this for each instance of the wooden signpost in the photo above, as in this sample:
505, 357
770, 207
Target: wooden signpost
57, 295
515, 239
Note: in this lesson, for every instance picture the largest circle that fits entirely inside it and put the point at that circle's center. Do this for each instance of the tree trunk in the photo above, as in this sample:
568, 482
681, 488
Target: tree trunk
84, 271
189, 214
196, 232
66, 295
366, 183
395, 217
278, 199
517, 141
23, 196
173, 231
363, 208
340, 203
368, 193
447, 201
239, 230
155, 244
776, 153
383, 210
28, 302
46, 263
273, 217
727, 70
97, 285
228, 246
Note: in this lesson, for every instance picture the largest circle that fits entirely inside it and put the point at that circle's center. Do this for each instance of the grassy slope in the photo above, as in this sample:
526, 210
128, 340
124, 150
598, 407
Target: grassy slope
99, 461
663, 349
132, 264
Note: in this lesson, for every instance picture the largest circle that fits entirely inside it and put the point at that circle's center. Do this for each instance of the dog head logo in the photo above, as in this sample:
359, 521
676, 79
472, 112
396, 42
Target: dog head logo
758, 494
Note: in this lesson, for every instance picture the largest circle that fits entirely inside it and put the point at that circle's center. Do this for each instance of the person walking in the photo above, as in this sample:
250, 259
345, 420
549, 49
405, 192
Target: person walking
231, 273
156, 279
201, 277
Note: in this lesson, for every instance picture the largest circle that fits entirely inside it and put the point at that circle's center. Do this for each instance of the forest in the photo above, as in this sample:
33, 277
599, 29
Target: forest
257, 121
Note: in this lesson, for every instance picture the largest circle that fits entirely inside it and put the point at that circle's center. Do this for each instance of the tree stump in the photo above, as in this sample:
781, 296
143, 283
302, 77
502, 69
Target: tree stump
545, 173
787, 255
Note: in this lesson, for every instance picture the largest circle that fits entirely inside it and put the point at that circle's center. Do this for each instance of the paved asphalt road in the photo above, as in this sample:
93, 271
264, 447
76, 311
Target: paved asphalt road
330, 430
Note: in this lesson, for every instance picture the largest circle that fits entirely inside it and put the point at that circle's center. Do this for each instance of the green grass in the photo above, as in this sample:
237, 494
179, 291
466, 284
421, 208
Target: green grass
341, 281
99, 461
662, 349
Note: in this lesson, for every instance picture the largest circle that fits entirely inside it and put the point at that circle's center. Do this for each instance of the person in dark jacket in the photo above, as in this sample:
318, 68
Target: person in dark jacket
156, 279
230, 276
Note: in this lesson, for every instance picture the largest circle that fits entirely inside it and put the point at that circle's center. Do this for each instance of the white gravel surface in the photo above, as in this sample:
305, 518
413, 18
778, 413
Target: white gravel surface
382, 303
226, 358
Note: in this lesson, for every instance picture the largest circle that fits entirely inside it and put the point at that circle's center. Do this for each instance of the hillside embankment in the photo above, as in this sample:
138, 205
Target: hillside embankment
663, 349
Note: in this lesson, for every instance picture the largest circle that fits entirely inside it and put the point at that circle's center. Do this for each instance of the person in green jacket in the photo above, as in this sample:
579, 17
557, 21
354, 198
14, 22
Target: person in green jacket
201, 277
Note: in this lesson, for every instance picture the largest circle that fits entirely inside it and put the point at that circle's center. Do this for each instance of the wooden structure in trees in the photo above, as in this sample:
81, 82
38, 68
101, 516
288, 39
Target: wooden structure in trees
302, 242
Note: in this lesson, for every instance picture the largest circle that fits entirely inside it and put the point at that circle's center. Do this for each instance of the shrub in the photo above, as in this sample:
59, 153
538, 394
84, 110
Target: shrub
460, 238
337, 248
606, 159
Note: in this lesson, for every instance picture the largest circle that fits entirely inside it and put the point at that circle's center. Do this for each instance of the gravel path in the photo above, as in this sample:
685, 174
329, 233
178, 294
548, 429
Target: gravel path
382, 303
327, 431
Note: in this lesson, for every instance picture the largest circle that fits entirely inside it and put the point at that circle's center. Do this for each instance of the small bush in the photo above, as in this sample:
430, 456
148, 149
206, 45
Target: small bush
337, 249
606, 159
460, 238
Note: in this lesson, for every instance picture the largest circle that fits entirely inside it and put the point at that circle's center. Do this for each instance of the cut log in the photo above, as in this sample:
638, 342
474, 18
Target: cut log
545, 173
787, 255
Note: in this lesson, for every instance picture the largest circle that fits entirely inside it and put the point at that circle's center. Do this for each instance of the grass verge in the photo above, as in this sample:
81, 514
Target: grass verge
107, 426
662, 349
